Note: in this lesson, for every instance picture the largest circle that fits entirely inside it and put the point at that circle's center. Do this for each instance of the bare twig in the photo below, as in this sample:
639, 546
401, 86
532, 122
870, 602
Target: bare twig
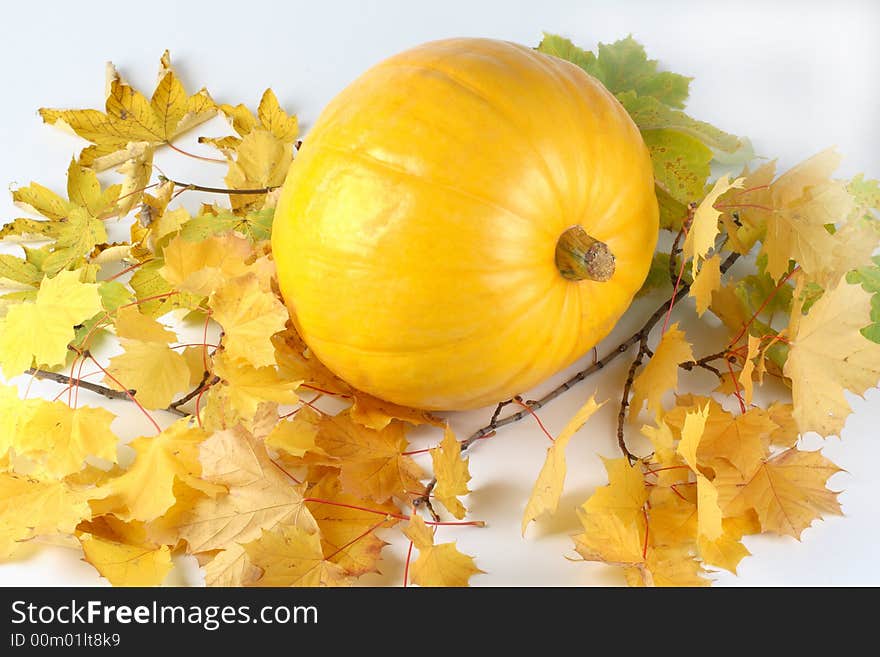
216, 190
109, 393
704, 363
674, 251
624, 399
203, 385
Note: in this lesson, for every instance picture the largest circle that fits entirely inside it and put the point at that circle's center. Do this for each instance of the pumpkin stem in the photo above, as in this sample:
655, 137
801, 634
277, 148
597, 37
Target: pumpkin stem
580, 256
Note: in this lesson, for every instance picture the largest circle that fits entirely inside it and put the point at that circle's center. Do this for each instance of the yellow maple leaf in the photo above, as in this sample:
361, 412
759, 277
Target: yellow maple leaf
673, 515
31, 508
745, 375
136, 169
799, 205
127, 565
625, 541
625, 494
661, 372
246, 387
786, 432
663, 441
152, 369
347, 533
259, 495
741, 440
14, 413
548, 486
787, 491
437, 565
451, 473
260, 160
60, 437
130, 117
707, 280
828, 355
231, 567
146, 490
296, 437
84, 192
667, 566
377, 413
297, 363
291, 556
691, 435
40, 331
708, 510
727, 550
372, 462
201, 267
132, 324
249, 315
270, 116
704, 227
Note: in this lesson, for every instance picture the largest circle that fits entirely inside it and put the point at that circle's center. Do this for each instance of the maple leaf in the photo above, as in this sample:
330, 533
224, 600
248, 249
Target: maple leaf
662, 440
745, 375
84, 193
787, 491
727, 550
127, 565
347, 532
154, 370
451, 473
259, 495
794, 209
132, 324
667, 566
270, 117
145, 490
377, 413
828, 355
291, 556
249, 315
201, 267
691, 435
31, 508
681, 165
296, 437
661, 372
437, 565
130, 117
739, 439
260, 160
625, 494
786, 432
136, 169
548, 486
60, 437
616, 532
372, 462
14, 414
622, 66
246, 387
231, 567
707, 280
40, 331
704, 227
296, 362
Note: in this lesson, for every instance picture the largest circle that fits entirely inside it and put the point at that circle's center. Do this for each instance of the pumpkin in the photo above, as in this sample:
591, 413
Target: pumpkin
464, 220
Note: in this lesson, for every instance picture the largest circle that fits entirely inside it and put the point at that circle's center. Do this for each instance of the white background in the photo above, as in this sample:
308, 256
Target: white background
794, 76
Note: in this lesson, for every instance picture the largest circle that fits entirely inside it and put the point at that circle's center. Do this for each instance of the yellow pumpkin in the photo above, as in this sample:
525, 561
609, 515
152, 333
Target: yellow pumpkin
464, 220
